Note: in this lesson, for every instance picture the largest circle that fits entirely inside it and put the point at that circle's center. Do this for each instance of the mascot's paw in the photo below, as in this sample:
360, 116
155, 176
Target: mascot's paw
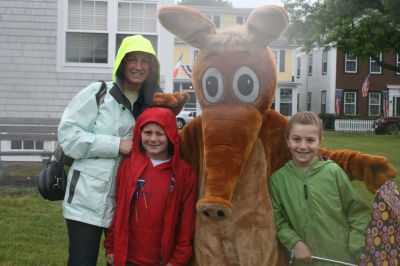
374, 170
174, 101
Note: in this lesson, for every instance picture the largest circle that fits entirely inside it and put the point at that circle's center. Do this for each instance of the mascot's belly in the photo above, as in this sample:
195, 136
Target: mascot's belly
248, 237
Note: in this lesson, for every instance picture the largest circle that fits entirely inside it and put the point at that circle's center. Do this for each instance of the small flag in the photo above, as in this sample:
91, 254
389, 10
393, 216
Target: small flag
188, 70
338, 101
385, 103
365, 86
177, 66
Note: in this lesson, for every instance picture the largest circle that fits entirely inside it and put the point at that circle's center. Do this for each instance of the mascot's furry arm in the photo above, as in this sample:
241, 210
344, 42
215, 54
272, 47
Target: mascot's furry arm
175, 101
372, 170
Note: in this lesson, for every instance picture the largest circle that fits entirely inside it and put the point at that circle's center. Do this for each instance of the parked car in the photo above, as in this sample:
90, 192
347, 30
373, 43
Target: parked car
184, 118
388, 125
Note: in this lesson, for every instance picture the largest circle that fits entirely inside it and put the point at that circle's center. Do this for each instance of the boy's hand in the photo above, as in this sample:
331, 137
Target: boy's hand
302, 252
110, 259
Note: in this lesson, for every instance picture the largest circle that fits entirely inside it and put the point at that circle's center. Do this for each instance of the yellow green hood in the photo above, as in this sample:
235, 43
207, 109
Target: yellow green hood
135, 43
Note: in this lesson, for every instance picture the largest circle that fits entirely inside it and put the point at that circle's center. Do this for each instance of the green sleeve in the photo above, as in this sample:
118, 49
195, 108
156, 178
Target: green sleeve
286, 234
75, 129
357, 212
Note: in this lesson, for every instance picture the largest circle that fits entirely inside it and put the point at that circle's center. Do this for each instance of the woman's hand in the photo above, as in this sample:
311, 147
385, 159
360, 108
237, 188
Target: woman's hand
302, 252
110, 259
125, 146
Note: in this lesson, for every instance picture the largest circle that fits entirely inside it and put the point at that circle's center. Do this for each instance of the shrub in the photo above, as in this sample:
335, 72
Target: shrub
328, 120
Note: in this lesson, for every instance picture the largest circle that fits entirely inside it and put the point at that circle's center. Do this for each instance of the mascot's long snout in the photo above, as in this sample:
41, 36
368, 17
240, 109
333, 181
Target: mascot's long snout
229, 133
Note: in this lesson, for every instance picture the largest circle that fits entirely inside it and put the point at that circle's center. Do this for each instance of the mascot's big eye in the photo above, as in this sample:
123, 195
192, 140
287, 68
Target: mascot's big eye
213, 85
246, 86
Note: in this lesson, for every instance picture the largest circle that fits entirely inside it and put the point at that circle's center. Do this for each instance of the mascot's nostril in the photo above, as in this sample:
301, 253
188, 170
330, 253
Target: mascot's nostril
206, 213
221, 214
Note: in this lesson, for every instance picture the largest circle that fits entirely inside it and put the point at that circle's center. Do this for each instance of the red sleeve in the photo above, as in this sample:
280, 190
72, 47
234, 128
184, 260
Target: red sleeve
109, 240
183, 249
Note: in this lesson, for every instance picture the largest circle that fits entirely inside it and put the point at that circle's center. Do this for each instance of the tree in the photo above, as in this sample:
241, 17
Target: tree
363, 28
206, 3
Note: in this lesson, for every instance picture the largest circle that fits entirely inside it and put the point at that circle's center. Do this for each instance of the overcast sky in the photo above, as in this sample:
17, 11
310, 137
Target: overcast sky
254, 3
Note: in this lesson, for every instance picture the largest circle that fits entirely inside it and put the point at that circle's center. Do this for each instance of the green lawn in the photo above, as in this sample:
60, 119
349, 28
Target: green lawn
33, 231
384, 145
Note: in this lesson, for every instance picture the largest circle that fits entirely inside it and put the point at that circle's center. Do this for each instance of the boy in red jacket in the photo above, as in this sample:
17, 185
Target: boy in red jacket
156, 195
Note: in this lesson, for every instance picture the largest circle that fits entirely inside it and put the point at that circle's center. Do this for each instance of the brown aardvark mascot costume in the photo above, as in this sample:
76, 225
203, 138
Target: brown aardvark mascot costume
238, 141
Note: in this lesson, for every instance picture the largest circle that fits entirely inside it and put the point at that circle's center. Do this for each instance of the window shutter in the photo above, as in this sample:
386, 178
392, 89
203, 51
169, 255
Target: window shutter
282, 61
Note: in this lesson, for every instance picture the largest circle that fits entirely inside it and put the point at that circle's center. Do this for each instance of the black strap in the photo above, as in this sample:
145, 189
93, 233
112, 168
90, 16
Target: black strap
102, 91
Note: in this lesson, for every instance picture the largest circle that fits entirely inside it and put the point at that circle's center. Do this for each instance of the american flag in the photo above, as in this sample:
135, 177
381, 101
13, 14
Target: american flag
177, 66
187, 69
385, 103
338, 101
365, 86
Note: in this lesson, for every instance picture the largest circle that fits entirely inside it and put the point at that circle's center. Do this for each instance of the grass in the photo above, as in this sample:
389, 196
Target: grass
33, 231
384, 145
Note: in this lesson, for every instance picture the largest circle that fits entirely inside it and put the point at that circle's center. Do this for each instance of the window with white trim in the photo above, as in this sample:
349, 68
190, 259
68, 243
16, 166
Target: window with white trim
280, 59
350, 63
398, 63
285, 107
27, 145
86, 33
298, 67
323, 102
349, 103
94, 29
324, 62
374, 68
374, 104
310, 63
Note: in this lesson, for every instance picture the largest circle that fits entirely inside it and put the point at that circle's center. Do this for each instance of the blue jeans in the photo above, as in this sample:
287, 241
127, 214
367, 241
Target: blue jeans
84, 243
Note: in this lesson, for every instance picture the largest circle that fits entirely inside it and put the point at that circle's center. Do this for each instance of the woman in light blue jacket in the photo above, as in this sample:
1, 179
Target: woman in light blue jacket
97, 133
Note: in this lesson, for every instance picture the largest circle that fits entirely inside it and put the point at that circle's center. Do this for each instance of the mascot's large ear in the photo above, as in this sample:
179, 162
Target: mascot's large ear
266, 23
186, 24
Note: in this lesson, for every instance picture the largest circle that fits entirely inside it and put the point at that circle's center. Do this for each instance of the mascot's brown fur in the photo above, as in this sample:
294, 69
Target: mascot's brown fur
238, 141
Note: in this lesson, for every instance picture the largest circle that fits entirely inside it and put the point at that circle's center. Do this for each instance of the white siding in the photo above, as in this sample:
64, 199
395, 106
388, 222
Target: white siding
317, 82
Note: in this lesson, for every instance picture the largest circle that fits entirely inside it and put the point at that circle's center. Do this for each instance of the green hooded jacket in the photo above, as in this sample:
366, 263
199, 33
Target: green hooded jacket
320, 208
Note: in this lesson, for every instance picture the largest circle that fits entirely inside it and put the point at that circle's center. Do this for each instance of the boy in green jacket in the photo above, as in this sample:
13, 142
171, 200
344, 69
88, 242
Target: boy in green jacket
317, 211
